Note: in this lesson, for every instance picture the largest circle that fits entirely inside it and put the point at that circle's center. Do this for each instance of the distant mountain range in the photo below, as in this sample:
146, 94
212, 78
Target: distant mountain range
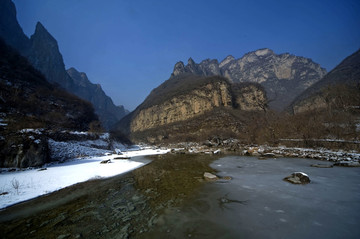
43, 52
283, 76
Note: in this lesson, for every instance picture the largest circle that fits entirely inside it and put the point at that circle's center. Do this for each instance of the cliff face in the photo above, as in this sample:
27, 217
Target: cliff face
188, 100
45, 56
283, 76
183, 107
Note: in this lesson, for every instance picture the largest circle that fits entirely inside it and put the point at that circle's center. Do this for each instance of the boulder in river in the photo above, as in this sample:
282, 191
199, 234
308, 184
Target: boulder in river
298, 178
210, 177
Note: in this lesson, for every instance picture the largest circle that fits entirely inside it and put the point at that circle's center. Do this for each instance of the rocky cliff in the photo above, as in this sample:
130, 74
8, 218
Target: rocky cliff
183, 107
283, 76
108, 113
45, 56
184, 98
340, 86
43, 53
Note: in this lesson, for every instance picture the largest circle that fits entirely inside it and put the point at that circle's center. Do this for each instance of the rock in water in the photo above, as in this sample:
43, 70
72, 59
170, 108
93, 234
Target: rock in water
298, 178
210, 177
105, 161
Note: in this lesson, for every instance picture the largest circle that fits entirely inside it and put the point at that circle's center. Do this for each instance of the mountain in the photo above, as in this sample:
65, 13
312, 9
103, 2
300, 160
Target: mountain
45, 56
283, 76
342, 82
28, 102
108, 113
201, 103
43, 53
10, 29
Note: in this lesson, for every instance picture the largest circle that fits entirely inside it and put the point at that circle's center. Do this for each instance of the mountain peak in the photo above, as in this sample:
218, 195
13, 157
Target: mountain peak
179, 68
226, 61
263, 52
40, 27
282, 76
191, 61
42, 32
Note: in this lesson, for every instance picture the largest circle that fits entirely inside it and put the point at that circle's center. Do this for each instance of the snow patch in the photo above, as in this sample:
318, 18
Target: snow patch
33, 183
35, 131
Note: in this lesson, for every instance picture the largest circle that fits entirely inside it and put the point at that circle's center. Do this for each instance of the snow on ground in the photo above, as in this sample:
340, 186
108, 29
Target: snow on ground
28, 184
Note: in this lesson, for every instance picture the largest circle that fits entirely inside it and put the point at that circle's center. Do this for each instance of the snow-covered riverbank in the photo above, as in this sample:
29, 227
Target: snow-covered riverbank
20, 186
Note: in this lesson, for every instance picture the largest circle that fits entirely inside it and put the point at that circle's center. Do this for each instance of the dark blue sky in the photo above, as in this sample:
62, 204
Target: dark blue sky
131, 46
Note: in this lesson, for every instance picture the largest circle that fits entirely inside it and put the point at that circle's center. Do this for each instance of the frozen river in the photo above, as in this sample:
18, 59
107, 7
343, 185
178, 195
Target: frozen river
257, 203
166, 199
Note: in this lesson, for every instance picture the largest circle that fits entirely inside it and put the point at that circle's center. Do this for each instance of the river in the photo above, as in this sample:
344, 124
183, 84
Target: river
168, 199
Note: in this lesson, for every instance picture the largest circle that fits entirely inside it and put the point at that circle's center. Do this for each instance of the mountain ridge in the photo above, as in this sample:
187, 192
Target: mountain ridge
284, 76
43, 52
347, 73
109, 114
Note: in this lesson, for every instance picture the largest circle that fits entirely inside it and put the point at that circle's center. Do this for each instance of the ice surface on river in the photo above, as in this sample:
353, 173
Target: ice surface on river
257, 203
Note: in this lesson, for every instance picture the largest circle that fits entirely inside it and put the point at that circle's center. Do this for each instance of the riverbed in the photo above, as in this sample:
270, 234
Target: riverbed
169, 199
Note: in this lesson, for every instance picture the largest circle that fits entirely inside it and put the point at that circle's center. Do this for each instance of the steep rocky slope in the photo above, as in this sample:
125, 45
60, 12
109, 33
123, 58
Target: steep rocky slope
45, 56
183, 98
42, 50
342, 82
283, 76
104, 107
29, 102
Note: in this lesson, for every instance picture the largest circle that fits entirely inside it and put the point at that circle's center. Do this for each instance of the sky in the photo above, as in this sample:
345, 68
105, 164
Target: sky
131, 46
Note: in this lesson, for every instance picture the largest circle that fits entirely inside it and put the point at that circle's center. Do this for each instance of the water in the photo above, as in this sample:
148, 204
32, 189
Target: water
166, 199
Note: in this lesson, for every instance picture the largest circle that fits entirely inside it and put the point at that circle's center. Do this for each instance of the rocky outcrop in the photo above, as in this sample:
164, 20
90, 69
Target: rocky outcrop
249, 97
104, 107
22, 152
183, 107
283, 76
